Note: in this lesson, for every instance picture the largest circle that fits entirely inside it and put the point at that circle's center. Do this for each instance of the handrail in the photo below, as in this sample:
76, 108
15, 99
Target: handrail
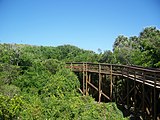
116, 65
151, 77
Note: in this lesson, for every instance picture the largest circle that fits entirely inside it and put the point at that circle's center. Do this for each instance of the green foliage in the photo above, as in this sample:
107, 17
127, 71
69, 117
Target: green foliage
33, 79
142, 50
53, 65
120, 42
8, 73
80, 107
150, 46
9, 90
10, 108
106, 57
62, 84
36, 85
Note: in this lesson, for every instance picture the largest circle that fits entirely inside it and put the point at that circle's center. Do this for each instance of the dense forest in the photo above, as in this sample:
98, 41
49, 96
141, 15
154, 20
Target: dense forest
34, 83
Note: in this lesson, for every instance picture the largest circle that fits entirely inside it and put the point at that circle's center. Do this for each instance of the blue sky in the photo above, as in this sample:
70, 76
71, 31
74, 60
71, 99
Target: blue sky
88, 24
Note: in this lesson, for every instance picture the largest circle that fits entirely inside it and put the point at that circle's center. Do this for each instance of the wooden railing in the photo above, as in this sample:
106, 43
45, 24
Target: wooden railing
149, 77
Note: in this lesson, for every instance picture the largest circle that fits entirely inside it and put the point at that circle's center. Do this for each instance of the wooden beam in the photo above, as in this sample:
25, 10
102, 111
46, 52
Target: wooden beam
93, 86
97, 90
80, 91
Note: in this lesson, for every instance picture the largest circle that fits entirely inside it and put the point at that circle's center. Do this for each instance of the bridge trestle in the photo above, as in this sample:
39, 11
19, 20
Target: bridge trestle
136, 90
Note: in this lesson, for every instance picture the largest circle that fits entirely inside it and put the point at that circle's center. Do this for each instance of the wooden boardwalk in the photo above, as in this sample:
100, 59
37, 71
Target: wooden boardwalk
136, 89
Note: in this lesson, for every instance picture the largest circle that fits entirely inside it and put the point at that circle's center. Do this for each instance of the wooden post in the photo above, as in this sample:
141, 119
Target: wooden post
111, 82
135, 114
100, 80
86, 79
83, 79
127, 88
89, 80
116, 90
152, 103
71, 67
143, 95
155, 101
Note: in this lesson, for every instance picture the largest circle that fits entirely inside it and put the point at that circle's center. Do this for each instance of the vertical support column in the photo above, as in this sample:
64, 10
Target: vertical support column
89, 80
155, 101
135, 112
86, 79
143, 96
89, 77
152, 102
111, 83
128, 88
116, 90
71, 67
83, 85
100, 81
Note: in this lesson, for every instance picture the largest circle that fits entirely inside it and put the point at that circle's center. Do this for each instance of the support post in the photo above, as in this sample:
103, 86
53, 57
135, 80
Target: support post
83, 85
71, 67
116, 90
89, 80
127, 88
135, 112
111, 82
86, 79
143, 96
100, 80
155, 101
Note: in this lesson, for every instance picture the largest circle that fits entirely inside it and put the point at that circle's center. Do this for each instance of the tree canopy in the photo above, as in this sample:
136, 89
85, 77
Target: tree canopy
36, 85
142, 50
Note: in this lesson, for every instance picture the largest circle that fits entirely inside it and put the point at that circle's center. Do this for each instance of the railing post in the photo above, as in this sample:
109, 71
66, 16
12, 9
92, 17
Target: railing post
143, 95
71, 67
89, 80
155, 101
135, 112
127, 88
86, 79
100, 81
83, 85
116, 90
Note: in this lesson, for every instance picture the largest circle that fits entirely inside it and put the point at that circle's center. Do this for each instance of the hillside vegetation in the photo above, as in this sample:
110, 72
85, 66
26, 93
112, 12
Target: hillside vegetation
34, 83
